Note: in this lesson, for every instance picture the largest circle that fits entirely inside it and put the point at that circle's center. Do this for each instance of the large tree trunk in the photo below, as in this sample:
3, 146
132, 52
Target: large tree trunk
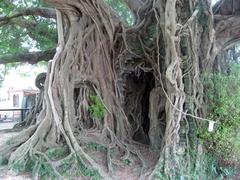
145, 78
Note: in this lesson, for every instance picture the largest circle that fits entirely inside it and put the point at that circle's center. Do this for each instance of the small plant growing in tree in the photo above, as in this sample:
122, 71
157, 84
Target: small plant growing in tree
96, 109
127, 162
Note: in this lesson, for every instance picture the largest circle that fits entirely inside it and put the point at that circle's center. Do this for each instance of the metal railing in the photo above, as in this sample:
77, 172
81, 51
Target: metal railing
22, 114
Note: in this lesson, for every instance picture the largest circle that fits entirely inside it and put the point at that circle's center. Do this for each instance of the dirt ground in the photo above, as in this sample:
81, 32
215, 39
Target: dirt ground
6, 174
6, 125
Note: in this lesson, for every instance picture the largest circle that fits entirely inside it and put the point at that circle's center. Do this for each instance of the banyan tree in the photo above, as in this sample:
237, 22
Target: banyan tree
125, 100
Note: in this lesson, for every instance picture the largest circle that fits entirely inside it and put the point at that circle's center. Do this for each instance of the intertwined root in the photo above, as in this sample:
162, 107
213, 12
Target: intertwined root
93, 93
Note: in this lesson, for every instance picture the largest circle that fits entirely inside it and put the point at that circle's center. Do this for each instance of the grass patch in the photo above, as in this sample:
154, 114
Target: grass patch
96, 147
75, 167
57, 153
3, 160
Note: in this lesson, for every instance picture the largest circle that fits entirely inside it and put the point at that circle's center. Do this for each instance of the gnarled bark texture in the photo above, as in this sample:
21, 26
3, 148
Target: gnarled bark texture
145, 78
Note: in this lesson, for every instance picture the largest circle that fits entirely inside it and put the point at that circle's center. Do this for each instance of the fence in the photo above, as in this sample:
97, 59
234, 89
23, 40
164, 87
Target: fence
16, 115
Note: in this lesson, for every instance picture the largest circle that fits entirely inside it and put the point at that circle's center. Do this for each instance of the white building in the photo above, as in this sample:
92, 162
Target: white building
16, 99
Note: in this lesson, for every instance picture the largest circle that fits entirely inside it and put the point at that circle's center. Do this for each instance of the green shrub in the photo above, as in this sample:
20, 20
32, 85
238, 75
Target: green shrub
223, 93
207, 169
127, 162
97, 109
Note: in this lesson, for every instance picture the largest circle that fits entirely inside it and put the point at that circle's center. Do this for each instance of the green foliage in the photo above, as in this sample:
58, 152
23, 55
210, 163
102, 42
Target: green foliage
5, 70
3, 160
122, 10
127, 162
96, 109
88, 172
40, 168
23, 165
57, 153
212, 170
43, 170
66, 166
24, 34
223, 93
45, 41
75, 167
18, 166
207, 169
96, 147
9, 142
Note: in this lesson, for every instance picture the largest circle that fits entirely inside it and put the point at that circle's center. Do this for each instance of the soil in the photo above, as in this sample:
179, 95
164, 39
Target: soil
5, 173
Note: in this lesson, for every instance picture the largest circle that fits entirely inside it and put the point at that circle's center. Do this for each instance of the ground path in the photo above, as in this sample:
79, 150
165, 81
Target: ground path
6, 174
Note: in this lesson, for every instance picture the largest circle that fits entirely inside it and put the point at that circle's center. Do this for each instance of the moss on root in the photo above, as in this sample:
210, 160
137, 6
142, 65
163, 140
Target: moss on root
3, 160
41, 168
57, 153
92, 146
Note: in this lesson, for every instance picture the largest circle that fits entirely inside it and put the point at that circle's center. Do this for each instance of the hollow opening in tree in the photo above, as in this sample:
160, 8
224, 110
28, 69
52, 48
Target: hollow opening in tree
82, 96
146, 79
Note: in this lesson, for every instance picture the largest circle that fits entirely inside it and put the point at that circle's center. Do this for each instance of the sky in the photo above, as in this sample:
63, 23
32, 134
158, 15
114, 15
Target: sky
22, 77
214, 1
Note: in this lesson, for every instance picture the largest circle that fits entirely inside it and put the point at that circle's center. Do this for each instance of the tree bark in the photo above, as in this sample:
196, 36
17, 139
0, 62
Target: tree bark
146, 80
31, 57
43, 12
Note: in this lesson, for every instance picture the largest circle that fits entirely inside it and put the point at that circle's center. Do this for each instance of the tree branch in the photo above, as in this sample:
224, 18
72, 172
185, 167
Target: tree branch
226, 21
217, 6
227, 7
134, 5
32, 27
227, 29
30, 57
43, 12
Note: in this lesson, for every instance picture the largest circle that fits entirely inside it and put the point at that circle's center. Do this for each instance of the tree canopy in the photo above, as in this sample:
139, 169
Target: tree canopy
28, 29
